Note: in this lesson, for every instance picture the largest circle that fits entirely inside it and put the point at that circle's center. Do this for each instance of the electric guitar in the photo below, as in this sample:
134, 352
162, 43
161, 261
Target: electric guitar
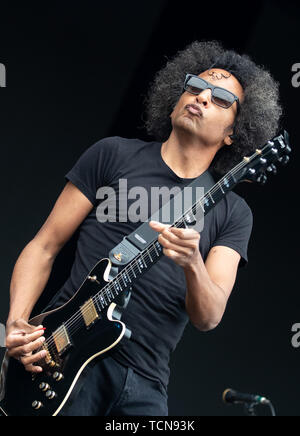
89, 325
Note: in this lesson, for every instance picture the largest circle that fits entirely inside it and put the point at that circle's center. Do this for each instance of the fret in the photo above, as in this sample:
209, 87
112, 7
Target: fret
146, 266
226, 183
102, 301
140, 263
122, 276
149, 255
118, 284
211, 198
206, 202
111, 290
133, 271
156, 252
221, 188
202, 207
97, 303
137, 264
158, 246
231, 179
126, 276
116, 288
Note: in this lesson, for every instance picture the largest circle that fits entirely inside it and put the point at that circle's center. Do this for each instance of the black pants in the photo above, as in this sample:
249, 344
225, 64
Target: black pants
111, 389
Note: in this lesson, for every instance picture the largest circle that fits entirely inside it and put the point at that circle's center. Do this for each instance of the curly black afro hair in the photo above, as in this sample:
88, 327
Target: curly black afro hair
260, 112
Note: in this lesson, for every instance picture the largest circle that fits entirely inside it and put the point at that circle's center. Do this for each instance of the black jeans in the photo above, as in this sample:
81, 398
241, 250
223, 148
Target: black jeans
111, 389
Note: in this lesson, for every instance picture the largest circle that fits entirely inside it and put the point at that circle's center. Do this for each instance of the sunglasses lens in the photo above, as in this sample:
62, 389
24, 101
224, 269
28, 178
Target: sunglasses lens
222, 98
195, 85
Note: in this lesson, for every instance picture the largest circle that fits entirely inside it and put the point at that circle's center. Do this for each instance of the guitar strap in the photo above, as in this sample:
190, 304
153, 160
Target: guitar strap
170, 213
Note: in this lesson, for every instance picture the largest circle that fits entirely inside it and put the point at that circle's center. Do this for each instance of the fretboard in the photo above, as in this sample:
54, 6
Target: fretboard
151, 255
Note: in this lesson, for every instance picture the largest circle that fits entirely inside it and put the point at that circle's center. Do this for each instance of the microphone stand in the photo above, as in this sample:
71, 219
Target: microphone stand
249, 409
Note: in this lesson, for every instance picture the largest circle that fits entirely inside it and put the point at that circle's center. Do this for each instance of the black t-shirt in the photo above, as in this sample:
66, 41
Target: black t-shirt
156, 312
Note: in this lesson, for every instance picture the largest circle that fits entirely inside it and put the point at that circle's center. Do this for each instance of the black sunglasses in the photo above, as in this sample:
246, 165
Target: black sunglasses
220, 96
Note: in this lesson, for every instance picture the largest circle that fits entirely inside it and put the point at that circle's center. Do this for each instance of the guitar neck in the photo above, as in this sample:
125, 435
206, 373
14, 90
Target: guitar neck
154, 252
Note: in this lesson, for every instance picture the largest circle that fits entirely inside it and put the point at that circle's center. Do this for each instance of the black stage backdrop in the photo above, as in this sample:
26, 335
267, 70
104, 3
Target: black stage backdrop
56, 103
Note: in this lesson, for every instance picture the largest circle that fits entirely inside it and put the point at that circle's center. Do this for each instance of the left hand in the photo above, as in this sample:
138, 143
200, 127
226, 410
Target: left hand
180, 245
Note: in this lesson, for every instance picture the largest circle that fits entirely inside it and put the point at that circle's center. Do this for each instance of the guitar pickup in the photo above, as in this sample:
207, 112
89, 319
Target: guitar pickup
89, 313
61, 340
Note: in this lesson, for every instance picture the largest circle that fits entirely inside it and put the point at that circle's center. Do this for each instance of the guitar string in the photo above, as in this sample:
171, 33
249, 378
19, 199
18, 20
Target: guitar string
72, 323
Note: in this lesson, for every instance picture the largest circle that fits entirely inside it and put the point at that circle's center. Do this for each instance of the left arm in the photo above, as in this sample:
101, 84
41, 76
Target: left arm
209, 285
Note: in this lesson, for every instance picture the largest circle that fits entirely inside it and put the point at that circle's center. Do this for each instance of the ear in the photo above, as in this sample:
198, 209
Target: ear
228, 140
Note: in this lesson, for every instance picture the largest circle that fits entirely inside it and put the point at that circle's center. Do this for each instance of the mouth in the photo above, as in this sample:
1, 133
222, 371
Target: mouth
194, 109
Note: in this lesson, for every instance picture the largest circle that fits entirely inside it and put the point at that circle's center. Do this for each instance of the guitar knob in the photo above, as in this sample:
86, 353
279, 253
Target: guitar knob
50, 395
58, 376
44, 387
36, 405
272, 169
262, 179
284, 160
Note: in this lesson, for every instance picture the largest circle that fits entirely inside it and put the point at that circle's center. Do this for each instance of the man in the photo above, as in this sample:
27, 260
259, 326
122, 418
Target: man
228, 108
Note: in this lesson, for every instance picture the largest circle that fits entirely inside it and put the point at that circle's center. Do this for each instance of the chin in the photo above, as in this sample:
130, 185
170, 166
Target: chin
186, 125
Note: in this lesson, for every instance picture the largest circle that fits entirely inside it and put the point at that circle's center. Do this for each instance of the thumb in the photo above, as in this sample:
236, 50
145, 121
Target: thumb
158, 226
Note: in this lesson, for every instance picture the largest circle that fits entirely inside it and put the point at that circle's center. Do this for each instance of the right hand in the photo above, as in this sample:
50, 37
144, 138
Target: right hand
22, 339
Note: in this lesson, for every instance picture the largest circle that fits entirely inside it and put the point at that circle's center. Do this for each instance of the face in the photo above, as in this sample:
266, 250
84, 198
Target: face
213, 125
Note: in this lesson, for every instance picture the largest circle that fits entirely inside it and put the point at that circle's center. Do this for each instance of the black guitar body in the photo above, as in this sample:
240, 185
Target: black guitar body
46, 393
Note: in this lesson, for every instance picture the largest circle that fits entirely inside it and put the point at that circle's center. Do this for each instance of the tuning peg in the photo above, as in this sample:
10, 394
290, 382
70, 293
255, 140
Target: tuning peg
262, 179
287, 141
272, 169
251, 172
284, 160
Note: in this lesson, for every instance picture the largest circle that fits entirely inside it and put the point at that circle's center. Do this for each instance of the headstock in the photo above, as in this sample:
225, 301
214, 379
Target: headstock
256, 167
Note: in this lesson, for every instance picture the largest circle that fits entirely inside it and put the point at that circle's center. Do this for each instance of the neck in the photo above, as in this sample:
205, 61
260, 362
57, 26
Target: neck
188, 159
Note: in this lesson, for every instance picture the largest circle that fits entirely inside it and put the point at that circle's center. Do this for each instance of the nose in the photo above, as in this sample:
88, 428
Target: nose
204, 98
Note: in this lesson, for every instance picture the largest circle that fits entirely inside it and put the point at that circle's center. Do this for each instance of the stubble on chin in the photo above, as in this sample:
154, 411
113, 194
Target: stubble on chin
185, 123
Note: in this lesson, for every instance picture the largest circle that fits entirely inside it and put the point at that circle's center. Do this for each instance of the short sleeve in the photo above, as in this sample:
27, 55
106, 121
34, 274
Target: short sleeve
237, 230
90, 171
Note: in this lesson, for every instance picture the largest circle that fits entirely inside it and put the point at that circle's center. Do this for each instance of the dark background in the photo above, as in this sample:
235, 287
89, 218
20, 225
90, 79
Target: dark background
59, 57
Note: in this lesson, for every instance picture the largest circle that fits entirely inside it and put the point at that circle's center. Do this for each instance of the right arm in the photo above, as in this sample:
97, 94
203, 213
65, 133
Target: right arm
32, 271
